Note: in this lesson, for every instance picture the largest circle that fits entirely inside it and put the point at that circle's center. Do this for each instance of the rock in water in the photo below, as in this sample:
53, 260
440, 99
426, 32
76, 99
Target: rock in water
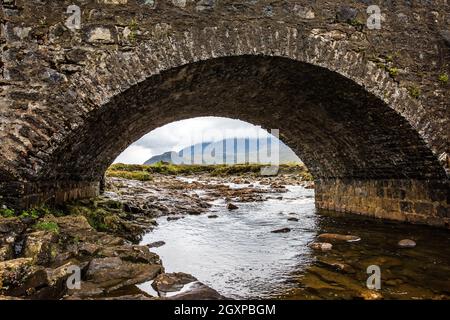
231, 206
172, 282
324, 246
198, 291
284, 230
338, 237
156, 244
293, 219
406, 243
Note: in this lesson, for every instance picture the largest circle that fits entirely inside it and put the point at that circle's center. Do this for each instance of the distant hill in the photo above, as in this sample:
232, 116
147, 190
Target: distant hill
229, 151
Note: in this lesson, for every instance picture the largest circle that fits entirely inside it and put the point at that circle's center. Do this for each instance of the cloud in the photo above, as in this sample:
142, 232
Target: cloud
181, 134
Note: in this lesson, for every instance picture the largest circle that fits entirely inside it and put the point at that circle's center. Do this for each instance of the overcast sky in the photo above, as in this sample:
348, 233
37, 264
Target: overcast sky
181, 134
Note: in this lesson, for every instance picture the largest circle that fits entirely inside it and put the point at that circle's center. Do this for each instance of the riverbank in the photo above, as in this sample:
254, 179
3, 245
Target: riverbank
40, 248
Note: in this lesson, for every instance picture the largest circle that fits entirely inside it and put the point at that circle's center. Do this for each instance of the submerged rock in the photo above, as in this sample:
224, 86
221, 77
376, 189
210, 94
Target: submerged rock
174, 218
406, 243
293, 219
324, 246
283, 230
231, 206
213, 216
156, 244
338, 237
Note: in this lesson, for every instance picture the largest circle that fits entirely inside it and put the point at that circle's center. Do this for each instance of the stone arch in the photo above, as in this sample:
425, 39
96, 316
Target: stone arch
165, 60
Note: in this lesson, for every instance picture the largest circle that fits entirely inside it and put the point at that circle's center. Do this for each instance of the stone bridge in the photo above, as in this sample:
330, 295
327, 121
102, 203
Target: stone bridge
366, 108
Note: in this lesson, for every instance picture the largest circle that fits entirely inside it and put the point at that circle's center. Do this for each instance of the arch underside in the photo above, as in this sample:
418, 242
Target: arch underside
336, 127
354, 144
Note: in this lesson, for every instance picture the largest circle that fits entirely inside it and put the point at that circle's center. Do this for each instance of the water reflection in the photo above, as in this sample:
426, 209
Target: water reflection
238, 255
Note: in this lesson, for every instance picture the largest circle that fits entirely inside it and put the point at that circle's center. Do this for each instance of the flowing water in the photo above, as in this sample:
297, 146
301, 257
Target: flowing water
237, 254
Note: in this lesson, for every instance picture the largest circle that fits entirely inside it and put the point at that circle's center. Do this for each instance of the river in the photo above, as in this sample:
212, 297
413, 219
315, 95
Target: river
236, 253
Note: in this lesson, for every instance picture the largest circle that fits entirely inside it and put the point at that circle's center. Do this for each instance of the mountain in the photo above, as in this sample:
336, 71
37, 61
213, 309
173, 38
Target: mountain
227, 151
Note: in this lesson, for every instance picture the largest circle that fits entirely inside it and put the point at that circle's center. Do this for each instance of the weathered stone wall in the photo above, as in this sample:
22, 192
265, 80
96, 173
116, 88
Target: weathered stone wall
354, 103
414, 201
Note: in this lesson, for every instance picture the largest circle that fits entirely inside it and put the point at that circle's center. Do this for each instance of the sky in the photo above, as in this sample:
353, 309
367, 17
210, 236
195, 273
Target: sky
181, 134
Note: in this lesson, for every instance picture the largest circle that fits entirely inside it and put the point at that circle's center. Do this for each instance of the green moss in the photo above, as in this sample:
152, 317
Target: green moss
133, 26
7, 213
356, 23
393, 71
414, 92
443, 78
47, 226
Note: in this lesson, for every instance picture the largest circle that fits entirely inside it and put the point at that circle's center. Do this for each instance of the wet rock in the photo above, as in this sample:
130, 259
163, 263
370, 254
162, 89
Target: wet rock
323, 246
213, 216
293, 219
9, 298
198, 291
156, 244
283, 230
174, 218
406, 243
112, 273
231, 206
309, 185
335, 265
172, 282
371, 295
136, 297
338, 237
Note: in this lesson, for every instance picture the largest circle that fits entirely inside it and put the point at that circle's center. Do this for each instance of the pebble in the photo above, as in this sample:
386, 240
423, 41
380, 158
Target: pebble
406, 243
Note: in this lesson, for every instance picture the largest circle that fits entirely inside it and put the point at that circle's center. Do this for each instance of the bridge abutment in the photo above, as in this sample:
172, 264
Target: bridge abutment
23, 195
414, 201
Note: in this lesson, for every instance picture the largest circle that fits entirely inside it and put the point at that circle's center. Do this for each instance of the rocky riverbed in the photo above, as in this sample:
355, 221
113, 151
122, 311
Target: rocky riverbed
40, 251
207, 237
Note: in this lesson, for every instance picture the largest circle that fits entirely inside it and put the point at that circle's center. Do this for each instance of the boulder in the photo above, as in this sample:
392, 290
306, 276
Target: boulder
41, 246
13, 272
113, 273
131, 253
231, 206
171, 282
197, 291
